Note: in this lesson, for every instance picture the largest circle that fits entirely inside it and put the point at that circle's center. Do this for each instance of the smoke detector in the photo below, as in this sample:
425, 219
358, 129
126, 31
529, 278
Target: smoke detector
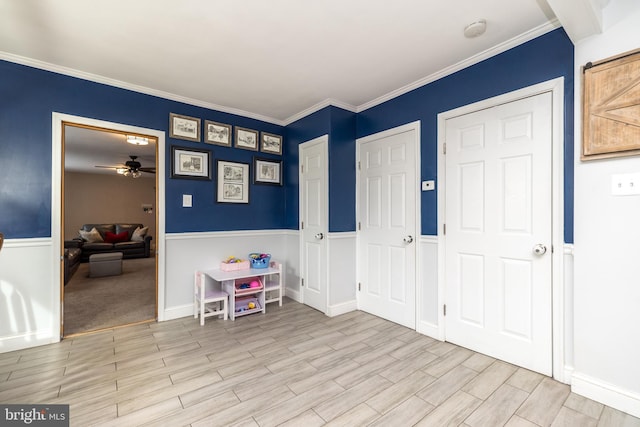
475, 29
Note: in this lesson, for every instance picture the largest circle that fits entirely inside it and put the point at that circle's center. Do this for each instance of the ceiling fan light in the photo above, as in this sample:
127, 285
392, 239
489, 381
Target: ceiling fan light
137, 140
136, 174
122, 171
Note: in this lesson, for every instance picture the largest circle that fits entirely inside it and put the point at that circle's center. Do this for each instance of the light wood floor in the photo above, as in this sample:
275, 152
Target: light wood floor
292, 366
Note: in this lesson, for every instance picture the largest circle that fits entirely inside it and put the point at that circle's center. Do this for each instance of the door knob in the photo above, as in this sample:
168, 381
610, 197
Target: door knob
408, 239
319, 236
539, 249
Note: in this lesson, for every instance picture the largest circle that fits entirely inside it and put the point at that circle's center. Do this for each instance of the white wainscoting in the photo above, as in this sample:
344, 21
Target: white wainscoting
427, 292
342, 273
292, 269
187, 252
29, 301
568, 353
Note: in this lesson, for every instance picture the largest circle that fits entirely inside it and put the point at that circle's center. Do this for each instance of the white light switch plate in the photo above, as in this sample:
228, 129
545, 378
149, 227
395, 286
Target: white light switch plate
187, 200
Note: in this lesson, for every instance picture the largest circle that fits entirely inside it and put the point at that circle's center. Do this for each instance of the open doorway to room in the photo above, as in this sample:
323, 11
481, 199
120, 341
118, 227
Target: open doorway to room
109, 227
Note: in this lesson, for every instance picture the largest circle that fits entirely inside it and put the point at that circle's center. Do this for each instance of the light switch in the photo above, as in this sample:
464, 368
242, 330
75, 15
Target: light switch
428, 185
187, 200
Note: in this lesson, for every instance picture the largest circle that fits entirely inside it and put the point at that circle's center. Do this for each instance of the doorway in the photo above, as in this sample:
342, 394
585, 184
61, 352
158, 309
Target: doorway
500, 214
313, 177
153, 208
388, 206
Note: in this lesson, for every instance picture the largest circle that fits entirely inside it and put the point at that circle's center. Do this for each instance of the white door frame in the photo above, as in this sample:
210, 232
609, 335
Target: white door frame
556, 87
417, 232
56, 199
321, 140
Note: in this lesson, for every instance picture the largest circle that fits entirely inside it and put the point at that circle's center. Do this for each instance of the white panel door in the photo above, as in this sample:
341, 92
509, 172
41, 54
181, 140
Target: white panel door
387, 193
313, 222
498, 225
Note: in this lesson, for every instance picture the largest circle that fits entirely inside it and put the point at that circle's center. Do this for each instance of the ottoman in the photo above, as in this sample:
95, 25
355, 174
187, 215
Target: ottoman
101, 265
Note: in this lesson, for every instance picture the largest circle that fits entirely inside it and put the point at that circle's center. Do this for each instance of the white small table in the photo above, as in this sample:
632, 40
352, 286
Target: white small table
227, 280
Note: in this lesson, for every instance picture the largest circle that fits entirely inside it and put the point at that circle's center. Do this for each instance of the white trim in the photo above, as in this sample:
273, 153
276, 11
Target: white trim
235, 233
608, 394
185, 310
556, 87
317, 107
42, 65
342, 308
295, 295
491, 52
56, 203
27, 243
31, 338
413, 126
496, 50
324, 141
342, 235
568, 249
426, 238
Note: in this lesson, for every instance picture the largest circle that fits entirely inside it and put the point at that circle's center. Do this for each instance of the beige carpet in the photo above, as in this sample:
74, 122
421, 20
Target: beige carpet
104, 302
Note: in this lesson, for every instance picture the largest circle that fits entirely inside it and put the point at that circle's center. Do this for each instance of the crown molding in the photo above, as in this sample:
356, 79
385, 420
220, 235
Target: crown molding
135, 88
493, 51
516, 41
319, 106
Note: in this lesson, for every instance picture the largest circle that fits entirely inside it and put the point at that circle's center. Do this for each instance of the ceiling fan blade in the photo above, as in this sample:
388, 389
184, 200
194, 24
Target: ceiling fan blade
108, 167
148, 170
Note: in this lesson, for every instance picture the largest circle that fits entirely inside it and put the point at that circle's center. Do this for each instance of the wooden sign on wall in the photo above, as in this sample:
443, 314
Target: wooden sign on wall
611, 107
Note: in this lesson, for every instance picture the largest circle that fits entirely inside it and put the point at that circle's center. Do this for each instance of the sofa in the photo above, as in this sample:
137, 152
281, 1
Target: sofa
71, 262
133, 240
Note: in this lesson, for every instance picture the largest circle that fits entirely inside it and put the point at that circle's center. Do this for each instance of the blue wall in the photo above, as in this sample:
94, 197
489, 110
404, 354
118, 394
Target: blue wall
544, 58
340, 126
28, 96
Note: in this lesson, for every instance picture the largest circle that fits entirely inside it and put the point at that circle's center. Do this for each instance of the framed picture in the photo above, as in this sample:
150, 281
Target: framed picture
270, 143
190, 164
184, 127
217, 133
233, 182
247, 139
266, 171
611, 102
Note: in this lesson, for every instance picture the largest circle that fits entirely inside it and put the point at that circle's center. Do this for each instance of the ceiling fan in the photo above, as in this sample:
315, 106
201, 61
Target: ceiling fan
131, 168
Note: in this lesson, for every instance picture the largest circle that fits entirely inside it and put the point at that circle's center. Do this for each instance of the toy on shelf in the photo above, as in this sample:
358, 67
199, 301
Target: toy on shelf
233, 264
259, 260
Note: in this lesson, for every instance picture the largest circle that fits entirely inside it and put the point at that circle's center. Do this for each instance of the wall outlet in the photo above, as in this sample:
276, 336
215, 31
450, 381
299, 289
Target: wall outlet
187, 200
627, 184
428, 185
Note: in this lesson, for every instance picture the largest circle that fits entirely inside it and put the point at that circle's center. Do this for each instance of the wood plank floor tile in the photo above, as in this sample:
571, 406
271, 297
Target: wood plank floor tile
570, 418
392, 396
544, 403
360, 415
407, 413
351, 397
353, 369
498, 408
447, 385
452, 411
489, 380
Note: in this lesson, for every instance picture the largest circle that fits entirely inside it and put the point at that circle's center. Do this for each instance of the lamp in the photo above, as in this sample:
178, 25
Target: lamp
137, 140
475, 29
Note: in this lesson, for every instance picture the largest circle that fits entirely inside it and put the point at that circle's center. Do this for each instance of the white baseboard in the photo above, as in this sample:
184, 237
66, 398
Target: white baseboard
430, 330
608, 394
342, 308
178, 312
293, 294
27, 340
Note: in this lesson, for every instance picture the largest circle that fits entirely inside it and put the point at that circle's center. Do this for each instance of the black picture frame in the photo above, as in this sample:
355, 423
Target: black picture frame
190, 163
267, 171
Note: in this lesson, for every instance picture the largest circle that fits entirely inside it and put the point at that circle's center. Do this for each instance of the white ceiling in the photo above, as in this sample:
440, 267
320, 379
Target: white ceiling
274, 60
